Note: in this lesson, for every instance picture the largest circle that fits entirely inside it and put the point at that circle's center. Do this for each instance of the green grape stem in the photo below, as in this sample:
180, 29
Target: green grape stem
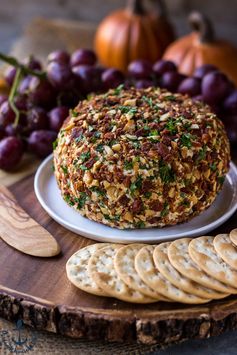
21, 71
25, 70
12, 95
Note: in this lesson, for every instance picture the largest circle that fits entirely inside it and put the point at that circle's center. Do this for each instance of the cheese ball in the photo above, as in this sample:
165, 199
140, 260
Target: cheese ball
141, 158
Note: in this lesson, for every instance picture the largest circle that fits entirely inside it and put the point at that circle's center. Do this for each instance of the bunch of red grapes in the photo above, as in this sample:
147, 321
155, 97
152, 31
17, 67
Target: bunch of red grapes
43, 101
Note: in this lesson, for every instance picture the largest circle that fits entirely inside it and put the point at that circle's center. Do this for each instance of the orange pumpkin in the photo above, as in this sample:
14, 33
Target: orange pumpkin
133, 33
202, 47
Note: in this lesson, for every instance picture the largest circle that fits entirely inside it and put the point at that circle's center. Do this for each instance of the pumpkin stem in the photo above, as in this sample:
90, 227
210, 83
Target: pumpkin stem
135, 7
200, 23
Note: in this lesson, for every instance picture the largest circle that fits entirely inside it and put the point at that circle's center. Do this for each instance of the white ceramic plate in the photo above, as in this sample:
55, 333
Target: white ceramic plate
48, 194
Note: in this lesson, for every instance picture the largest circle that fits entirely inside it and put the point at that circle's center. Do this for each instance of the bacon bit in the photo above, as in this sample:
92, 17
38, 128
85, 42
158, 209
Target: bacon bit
156, 205
90, 163
124, 200
127, 181
137, 205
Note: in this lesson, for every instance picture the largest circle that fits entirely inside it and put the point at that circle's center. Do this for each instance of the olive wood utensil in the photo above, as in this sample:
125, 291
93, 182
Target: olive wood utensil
20, 231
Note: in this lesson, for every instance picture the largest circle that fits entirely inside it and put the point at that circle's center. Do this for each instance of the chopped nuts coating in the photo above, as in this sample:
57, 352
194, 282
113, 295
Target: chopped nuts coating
141, 158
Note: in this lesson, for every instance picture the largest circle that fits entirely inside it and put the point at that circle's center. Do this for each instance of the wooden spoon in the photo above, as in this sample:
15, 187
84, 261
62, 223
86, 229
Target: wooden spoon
20, 231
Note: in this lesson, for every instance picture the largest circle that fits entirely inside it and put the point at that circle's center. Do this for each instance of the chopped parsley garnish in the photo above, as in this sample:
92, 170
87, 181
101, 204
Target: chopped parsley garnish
79, 138
85, 156
81, 200
147, 194
83, 167
137, 144
118, 89
97, 190
136, 185
74, 113
100, 148
166, 173
64, 169
186, 140
55, 144
154, 132
113, 142
170, 98
221, 179
128, 165
171, 126
149, 101
140, 224
115, 218
97, 134
202, 154
185, 203
165, 210
213, 167
68, 199
128, 109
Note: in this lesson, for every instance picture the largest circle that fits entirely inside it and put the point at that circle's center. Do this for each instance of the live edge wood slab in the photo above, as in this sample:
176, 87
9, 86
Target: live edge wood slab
37, 291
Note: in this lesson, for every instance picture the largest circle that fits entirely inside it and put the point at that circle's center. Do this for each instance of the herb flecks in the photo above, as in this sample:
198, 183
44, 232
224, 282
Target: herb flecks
166, 173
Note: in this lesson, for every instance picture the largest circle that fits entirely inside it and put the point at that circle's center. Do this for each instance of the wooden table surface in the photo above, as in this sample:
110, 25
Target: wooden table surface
38, 38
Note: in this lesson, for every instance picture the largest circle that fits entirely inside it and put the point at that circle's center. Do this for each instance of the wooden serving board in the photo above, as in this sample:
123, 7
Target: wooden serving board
37, 291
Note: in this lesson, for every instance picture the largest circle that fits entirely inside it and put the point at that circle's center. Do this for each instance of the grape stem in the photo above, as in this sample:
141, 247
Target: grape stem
12, 95
24, 69
21, 71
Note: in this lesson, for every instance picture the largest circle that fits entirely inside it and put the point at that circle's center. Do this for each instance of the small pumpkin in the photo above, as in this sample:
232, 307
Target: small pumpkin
202, 47
133, 33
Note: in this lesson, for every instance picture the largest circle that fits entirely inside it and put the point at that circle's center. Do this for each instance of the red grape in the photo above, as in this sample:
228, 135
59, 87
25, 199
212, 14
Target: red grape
89, 78
230, 103
3, 98
24, 84
32, 63
7, 115
2, 132
142, 84
59, 56
12, 130
215, 87
83, 57
60, 76
140, 69
190, 86
230, 123
11, 151
21, 102
171, 80
163, 66
41, 93
9, 75
37, 119
41, 142
57, 117
111, 78
201, 71
197, 98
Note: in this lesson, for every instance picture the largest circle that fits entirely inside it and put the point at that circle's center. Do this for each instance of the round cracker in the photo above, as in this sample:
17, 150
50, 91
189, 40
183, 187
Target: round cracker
233, 236
165, 267
225, 249
77, 269
102, 271
145, 267
125, 267
181, 260
203, 253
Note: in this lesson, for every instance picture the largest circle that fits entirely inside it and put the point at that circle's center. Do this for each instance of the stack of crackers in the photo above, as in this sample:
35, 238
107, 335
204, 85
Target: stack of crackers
186, 270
